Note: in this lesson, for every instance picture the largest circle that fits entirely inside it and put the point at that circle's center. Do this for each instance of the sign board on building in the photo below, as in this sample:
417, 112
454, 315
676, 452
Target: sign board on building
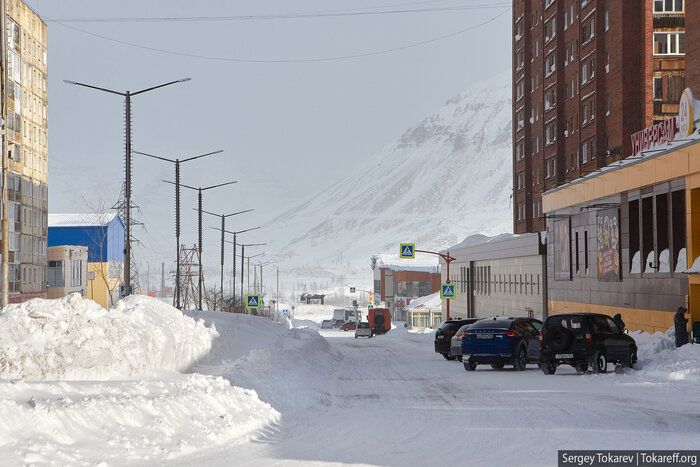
91, 275
352, 289
654, 135
252, 301
407, 250
686, 114
608, 251
447, 291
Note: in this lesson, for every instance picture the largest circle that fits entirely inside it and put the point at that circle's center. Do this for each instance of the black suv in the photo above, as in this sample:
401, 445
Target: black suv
444, 335
582, 340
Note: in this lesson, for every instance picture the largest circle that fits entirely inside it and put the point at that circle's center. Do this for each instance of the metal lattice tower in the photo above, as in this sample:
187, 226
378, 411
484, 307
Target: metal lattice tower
120, 206
189, 277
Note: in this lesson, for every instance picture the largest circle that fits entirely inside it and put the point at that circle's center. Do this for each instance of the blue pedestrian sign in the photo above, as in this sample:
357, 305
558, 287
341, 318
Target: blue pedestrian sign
252, 301
407, 250
353, 289
447, 291
370, 307
285, 312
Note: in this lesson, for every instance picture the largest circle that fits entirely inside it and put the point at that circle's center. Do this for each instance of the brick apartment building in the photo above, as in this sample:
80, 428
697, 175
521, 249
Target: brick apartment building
587, 74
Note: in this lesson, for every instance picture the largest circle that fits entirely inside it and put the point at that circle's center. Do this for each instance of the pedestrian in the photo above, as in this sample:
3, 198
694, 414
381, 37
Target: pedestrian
681, 322
620, 324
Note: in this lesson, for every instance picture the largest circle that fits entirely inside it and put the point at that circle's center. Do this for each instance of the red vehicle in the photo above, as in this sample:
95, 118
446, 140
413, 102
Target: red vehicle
348, 326
379, 320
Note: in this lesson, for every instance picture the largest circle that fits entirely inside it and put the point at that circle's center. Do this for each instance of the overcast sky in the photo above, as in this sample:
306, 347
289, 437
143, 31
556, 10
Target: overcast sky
263, 89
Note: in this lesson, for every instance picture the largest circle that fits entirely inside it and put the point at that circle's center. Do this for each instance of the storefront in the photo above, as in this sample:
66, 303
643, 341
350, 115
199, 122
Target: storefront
624, 238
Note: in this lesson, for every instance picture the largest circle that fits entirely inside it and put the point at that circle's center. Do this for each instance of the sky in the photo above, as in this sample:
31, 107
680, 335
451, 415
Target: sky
267, 87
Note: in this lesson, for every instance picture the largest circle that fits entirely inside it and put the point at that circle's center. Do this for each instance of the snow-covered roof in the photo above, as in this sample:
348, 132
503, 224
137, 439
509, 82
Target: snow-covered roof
421, 263
506, 245
429, 302
83, 219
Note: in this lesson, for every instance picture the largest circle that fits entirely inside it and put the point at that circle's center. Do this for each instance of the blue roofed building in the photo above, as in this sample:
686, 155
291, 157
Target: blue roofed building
103, 235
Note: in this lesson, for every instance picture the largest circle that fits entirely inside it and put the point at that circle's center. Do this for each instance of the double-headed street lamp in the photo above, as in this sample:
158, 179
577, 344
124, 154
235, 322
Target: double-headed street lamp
223, 229
177, 208
127, 188
199, 201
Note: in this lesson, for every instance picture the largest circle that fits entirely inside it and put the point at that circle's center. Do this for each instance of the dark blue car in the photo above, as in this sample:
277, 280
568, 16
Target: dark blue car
501, 341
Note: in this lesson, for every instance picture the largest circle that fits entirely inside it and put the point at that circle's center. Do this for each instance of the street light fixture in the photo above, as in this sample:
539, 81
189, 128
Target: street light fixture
199, 200
127, 188
223, 229
177, 209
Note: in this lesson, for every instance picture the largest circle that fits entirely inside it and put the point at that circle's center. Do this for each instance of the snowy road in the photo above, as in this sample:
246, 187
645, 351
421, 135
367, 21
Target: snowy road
392, 401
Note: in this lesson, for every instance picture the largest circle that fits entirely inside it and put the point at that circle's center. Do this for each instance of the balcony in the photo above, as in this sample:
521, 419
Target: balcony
669, 20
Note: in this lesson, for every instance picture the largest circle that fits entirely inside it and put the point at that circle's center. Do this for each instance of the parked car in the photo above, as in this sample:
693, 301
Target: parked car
501, 341
326, 324
584, 340
348, 326
363, 330
444, 334
336, 323
456, 342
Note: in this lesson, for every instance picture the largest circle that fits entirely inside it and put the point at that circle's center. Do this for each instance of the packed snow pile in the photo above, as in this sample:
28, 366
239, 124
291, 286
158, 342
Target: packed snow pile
659, 359
76, 339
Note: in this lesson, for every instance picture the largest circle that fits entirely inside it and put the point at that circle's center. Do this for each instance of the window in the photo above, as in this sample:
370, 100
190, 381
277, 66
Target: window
519, 150
550, 64
584, 73
520, 59
550, 98
521, 180
584, 153
674, 88
607, 19
551, 133
550, 30
658, 89
608, 104
519, 90
669, 43
668, 6
521, 120
55, 271
588, 30
76, 273
521, 211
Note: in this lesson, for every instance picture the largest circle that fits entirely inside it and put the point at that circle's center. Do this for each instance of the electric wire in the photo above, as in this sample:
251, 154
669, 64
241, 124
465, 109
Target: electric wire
301, 60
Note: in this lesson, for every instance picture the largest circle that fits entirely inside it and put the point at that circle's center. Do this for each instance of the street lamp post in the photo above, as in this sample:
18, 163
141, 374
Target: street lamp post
199, 204
243, 261
233, 282
223, 229
177, 209
127, 188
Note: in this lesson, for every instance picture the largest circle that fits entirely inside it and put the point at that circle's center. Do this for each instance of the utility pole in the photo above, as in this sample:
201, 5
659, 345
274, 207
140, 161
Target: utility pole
199, 191
177, 209
127, 109
162, 279
233, 282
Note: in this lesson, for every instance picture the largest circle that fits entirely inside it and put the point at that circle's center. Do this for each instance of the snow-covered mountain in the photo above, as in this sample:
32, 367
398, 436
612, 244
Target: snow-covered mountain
442, 180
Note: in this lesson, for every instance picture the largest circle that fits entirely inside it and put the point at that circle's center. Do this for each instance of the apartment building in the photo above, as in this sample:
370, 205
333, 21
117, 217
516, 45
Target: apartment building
26, 116
587, 74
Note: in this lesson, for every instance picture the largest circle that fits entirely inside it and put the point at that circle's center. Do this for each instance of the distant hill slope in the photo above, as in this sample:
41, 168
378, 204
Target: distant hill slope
442, 180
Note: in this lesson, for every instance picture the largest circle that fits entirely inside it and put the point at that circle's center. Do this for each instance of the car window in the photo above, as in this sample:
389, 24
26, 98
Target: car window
492, 324
527, 327
613, 327
363, 325
572, 323
599, 325
537, 324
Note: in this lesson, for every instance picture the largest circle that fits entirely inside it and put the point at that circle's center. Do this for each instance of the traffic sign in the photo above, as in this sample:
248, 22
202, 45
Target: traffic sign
122, 292
252, 301
285, 311
447, 291
352, 289
370, 307
407, 250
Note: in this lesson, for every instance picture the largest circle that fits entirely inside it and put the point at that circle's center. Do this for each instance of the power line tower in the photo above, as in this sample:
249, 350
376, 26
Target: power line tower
189, 277
120, 206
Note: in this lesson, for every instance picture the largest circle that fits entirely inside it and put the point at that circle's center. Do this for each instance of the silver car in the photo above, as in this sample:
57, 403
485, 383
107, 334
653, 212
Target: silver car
363, 330
456, 342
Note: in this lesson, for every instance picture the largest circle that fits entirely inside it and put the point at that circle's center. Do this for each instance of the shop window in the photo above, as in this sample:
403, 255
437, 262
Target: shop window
663, 263
585, 251
633, 227
678, 258
55, 271
647, 223
577, 252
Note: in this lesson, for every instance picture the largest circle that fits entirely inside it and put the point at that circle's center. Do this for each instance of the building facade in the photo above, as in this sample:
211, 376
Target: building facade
627, 239
498, 276
586, 75
26, 116
398, 281
67, 270
103, 235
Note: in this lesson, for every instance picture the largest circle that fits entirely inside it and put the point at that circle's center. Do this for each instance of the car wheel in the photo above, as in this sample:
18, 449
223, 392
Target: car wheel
448, 356
355, 337
521, 361
599, 362
497, 365
469, 366
549, 368
581, 368
630, 358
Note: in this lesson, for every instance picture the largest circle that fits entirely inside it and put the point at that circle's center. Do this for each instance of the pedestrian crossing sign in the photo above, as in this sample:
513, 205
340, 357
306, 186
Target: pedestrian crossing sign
447, 291
285, 311
353, 289
252, 301
407, 250
370, 307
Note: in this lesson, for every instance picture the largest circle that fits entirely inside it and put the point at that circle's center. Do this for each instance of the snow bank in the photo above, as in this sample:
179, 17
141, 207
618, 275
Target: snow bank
76, 339
660, 360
